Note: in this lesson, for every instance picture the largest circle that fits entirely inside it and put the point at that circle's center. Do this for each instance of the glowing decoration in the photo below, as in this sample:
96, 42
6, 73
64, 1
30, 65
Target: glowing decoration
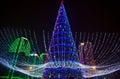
30, 68
56, 67
6, 77
19, 45
24, 46
99, 53
62, 50
99, 50
82, 44
62, 44
33, 54
94, 67
42, 57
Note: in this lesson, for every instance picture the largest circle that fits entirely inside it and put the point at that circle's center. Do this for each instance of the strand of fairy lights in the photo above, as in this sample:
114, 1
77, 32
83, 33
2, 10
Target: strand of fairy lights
115, 48
44, 41
96, 36
6, 35
4, 39
104, 48
113, 54
89, 48
98, 44
103, 41
10, 37
112, 46
108, 46
36, 42
31, 40
3, 43
13, 33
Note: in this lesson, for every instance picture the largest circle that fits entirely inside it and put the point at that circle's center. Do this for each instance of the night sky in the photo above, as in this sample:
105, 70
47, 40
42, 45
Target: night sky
84, 15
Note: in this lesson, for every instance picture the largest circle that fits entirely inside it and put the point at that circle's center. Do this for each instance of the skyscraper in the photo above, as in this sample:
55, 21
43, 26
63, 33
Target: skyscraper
62, 50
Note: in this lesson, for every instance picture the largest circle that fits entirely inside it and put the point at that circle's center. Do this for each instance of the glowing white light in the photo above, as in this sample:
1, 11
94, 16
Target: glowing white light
33, 54
24, 38
87, 70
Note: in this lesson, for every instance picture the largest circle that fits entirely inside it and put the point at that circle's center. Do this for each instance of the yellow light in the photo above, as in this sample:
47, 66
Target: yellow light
82, 44
30, 68
94, 67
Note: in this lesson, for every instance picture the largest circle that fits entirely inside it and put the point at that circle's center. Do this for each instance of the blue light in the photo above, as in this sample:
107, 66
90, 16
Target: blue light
62, 50
68, 45
63, 33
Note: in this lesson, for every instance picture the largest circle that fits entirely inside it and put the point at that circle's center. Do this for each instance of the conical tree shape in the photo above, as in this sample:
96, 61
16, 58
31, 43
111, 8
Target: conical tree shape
62, 49
62, 46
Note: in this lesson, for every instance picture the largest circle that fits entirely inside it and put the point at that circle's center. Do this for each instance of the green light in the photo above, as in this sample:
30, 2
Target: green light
41, 57
17, 78
6, 77
19, 45
24, 46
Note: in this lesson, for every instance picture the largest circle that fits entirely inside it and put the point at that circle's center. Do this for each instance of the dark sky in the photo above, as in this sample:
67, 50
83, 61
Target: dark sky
84, 15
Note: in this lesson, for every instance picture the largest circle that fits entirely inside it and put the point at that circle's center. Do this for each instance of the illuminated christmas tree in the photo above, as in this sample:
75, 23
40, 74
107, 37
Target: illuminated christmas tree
62, 50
